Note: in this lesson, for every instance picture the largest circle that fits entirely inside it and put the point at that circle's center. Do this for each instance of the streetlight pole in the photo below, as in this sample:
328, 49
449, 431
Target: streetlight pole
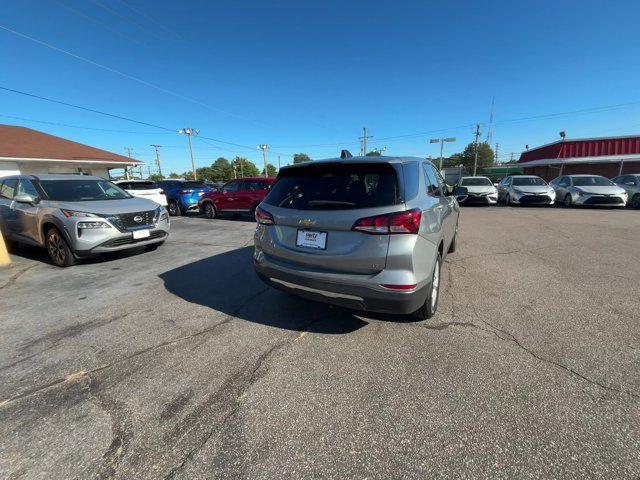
188, 132
441, 142
264, 148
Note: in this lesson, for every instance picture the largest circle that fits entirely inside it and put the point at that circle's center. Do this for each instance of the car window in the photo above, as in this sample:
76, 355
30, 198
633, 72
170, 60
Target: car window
253, 185
630, 180
26, 187
140, 185
231, 187
264, 185
335, 186
8, 188
591, 181
410, 172
475, 182
433, 186
528, 182
82, 190
564, 182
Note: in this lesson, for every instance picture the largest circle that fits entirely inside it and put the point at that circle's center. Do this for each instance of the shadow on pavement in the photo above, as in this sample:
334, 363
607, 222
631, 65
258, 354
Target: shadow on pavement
227, 283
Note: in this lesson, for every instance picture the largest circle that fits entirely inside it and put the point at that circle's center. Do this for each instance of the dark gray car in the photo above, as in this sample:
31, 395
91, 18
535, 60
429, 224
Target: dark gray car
367, 233
631, 184
75, 216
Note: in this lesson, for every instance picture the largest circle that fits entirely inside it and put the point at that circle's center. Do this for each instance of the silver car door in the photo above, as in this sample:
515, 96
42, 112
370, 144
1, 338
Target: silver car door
26, 214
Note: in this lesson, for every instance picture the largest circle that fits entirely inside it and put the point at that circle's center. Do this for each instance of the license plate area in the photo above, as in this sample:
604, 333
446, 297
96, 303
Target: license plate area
138, 234
311, 239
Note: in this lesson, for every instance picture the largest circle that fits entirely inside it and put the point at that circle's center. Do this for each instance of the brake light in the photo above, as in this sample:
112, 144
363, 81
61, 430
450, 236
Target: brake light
161, 192
185, 191
397, 222
263, 217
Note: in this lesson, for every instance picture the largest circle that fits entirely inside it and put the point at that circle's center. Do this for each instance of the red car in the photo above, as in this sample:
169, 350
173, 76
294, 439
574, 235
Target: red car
241, 195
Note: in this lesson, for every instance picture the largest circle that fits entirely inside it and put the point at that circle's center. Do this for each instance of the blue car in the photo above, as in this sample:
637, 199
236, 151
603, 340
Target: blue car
182, 195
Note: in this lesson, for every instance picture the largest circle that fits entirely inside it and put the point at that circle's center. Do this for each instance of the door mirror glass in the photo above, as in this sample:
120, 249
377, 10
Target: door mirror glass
25, 198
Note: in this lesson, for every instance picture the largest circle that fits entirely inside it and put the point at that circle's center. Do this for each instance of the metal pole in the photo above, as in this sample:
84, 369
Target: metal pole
475, 162
157, 147
364, 149
278, 162
441, 151
621, 166
193, 163
264, 161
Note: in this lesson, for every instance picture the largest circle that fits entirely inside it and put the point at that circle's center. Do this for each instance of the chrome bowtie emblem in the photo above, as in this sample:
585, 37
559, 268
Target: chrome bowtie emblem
137, 219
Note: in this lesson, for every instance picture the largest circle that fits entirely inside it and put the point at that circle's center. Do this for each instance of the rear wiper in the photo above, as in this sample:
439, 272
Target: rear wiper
330, 202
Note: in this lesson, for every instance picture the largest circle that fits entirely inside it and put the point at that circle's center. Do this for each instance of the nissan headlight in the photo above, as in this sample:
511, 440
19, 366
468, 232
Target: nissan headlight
93, 225
74, 213
161, 214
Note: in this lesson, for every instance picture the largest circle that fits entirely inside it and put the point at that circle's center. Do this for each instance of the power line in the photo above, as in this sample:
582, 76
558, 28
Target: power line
125, 18
123, 74
148, 17
85, 108
31, 120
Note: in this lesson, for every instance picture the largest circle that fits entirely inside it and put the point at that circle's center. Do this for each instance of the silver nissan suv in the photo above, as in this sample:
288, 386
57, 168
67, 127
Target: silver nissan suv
367, 233
76, 216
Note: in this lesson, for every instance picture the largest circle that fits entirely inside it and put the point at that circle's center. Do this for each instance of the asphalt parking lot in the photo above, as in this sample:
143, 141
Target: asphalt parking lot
180, 363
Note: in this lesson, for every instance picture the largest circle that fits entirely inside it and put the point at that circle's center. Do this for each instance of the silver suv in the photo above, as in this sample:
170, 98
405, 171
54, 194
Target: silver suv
76, 216
368, 233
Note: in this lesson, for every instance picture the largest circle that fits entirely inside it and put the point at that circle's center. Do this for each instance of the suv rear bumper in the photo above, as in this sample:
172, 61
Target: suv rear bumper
341, 292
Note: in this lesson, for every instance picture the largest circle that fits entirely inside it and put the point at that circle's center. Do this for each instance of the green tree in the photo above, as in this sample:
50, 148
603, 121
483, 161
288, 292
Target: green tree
154, 177
272, 171
174, 175
467, 158
245, 168
205, 174
222, 170
373, 153
301, 157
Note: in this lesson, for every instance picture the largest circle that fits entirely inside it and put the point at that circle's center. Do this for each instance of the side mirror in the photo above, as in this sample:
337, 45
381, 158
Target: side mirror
460, 191
25, 198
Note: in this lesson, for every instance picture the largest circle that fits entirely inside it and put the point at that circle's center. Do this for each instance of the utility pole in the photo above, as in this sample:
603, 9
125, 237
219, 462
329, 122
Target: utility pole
278, 162
364, 139
496, 161
475, 161
511, 161
188, 132
264, 147
157, 147
441, 142
126, 169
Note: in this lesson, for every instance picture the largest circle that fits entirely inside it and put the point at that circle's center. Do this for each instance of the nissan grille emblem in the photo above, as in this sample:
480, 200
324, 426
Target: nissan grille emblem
137, 219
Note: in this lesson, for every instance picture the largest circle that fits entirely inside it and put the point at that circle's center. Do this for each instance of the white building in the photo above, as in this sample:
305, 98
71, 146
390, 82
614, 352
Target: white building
27, 151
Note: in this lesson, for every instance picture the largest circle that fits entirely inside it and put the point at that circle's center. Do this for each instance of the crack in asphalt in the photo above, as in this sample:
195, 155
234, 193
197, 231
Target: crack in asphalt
160, 345
14, 278
234, 390
121, 428
513, 339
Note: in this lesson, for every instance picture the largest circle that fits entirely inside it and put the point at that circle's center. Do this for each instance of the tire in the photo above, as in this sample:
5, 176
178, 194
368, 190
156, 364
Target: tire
58, 248
174, 209
430, 306
635, 201
568, 202
209, 210
454, 241
507, 200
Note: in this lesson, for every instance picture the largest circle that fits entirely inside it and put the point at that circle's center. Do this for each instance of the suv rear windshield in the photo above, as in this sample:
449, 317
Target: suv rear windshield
192, 185
81, 190
335, 186
142, 185
527, 181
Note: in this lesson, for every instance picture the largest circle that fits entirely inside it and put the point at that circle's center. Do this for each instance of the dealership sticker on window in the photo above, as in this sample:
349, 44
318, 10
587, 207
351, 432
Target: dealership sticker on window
311, 239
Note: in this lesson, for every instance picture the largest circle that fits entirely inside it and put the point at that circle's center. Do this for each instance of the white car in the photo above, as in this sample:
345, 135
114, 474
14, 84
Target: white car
479, 191
594, 190
144, 189
525, 190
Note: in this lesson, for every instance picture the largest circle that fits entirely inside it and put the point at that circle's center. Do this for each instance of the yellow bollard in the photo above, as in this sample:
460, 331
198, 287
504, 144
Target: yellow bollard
4, 254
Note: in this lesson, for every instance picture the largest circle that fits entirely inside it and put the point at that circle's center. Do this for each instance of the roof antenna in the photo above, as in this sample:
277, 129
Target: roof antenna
345, 154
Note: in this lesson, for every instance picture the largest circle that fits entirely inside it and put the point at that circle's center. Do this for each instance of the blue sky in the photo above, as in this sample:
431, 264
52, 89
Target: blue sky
300, 74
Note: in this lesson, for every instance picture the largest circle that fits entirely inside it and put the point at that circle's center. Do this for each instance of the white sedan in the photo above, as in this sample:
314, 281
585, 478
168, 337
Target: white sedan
144, 189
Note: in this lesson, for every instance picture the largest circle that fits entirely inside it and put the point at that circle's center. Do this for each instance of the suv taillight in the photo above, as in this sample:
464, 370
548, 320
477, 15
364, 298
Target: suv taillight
263, 217
397, 222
